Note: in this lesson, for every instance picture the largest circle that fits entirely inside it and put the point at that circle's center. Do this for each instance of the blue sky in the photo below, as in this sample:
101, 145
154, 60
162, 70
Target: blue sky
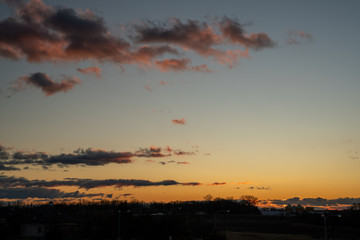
291, 105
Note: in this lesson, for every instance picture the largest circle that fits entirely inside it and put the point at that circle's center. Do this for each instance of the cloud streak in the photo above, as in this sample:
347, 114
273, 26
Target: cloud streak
20, 182
259, 188
80, 157
91, 70
218, 183
9, 160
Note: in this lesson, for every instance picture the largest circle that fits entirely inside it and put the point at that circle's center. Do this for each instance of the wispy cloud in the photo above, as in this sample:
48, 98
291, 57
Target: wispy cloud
151, 152
241, 183
91, 70
259, 188
180, 65
148, 88
176, 65
169, 162
298, 36
183, 162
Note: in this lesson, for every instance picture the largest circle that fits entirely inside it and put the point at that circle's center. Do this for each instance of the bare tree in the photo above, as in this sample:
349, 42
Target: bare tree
249, 200
208, 197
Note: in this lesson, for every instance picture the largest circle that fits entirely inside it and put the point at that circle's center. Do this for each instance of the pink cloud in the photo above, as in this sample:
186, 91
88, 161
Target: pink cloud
183, 162
176, 65
181, 121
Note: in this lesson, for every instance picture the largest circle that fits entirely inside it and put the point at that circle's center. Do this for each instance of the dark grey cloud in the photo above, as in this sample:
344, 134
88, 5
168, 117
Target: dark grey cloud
4, 153
40, 192
83, 157
90, 157
4, 159
12, 182
46, 84
80, 157
41, 33
8, 168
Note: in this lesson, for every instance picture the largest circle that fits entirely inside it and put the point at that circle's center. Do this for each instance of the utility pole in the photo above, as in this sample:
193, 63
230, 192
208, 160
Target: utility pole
118, 232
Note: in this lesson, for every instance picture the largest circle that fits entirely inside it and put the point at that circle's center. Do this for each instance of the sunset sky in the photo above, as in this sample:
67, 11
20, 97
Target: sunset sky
173, 100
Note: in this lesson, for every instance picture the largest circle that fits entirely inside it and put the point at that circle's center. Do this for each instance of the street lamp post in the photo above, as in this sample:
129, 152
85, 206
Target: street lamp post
325, 218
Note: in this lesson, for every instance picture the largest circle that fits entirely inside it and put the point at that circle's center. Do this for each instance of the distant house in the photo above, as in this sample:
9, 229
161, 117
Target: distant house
299, 209
295, 210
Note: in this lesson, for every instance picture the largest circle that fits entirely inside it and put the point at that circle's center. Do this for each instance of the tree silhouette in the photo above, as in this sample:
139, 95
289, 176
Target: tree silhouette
249, 200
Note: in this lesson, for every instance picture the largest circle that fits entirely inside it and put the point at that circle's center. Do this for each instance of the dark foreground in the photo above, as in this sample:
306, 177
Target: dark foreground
223, 219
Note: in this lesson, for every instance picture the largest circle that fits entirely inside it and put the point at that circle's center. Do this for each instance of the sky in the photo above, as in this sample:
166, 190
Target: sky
174, 100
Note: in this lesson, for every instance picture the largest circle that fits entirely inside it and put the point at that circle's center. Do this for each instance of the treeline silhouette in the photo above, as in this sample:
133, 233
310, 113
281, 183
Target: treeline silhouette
126, 219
